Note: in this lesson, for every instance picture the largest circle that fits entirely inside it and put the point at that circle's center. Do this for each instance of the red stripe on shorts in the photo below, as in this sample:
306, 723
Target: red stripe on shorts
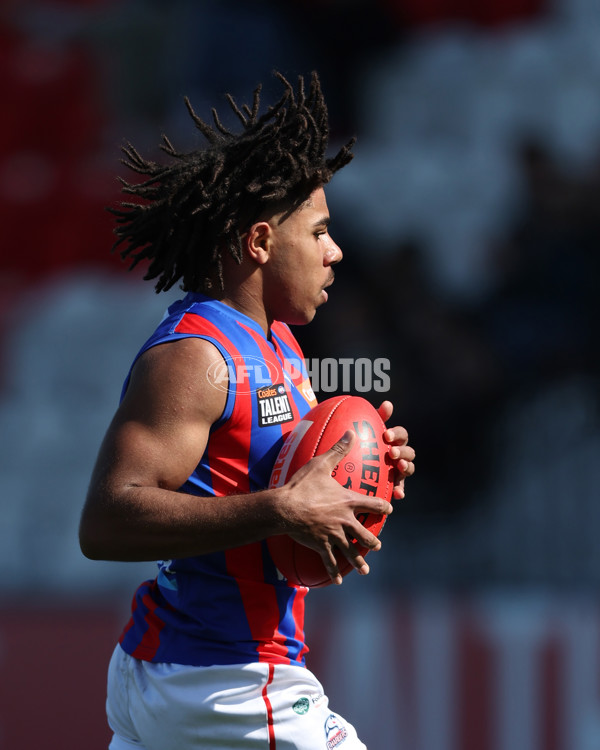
270, 726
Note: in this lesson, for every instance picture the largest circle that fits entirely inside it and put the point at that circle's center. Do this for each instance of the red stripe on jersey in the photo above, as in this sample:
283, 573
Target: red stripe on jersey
298, 615
134, 605
127, 627
294, 366
236, 481
267, 701
273, 360
192, 323
282, 331
148, 646
229, 473
260, 602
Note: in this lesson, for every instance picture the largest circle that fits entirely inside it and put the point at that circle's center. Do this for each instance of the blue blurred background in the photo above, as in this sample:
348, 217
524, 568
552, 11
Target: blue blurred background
470, 225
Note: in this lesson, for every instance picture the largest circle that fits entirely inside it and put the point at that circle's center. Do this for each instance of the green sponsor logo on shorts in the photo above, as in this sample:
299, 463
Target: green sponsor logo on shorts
301, 706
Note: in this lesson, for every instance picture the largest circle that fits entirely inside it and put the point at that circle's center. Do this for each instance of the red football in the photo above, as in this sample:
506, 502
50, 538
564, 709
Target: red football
363, 470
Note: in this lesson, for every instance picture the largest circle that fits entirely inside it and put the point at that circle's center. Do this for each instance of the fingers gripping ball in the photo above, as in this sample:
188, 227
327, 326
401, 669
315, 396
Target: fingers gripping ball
364, 470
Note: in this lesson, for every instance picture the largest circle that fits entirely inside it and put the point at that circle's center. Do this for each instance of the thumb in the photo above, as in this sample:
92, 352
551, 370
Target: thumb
341, 448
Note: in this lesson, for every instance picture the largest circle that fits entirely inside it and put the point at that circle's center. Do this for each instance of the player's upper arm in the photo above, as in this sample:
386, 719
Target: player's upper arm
161, 428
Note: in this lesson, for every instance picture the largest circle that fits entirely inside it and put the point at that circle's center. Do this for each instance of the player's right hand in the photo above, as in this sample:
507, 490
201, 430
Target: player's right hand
321, 514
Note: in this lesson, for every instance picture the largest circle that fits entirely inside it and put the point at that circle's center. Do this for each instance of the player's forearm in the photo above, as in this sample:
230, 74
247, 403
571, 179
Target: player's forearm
147, 523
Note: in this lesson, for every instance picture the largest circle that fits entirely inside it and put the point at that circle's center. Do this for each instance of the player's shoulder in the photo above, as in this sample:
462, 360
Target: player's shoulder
190, 360
189, 351
178, 373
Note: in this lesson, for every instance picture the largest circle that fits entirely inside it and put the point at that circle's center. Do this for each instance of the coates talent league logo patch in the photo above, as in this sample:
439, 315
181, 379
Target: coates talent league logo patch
273, 405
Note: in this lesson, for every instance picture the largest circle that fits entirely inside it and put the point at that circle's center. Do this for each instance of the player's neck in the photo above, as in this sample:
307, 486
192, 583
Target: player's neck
250, 305
243, 291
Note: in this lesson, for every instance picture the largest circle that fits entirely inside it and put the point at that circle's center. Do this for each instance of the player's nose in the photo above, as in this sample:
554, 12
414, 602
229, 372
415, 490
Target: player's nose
333, 254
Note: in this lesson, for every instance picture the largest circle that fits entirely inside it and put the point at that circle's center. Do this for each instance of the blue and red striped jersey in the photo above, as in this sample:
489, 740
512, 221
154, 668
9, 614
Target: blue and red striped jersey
229, 607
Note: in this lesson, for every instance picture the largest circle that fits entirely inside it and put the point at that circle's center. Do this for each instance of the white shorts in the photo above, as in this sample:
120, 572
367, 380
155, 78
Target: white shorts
239, 707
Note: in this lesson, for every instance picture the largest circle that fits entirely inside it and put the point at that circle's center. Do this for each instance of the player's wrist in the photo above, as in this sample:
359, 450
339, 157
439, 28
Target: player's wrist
281, 503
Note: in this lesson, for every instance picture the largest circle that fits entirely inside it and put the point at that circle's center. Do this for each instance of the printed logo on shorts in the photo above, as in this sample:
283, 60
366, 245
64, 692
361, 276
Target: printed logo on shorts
273, 405
301, 706
318, 699
335, 733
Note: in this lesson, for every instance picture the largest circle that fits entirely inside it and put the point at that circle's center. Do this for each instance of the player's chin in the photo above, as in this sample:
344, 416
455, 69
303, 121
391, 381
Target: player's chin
312, 311
301, 318
306, 318
308, 313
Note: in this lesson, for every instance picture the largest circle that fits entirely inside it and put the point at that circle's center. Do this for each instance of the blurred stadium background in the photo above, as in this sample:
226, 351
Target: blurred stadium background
470, 224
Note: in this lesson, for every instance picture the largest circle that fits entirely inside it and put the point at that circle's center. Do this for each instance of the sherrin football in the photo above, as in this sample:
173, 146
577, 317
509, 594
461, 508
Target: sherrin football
364, 470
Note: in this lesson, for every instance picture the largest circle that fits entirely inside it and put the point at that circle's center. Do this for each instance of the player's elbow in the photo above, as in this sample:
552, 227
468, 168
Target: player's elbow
94, 534
89, 541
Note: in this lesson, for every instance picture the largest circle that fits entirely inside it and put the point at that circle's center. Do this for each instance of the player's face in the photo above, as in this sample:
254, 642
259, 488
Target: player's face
300, 262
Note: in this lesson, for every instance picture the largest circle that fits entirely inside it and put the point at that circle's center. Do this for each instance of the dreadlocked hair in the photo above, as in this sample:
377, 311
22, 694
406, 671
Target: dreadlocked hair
195, 208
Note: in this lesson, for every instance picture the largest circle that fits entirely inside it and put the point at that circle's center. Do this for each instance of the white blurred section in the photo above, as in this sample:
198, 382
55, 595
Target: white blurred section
70, 345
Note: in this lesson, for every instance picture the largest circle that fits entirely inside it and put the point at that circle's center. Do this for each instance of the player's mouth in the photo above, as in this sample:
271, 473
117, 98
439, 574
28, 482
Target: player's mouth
328, 284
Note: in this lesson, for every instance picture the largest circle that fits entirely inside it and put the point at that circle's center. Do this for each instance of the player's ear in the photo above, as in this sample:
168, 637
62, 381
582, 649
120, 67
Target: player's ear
257, 241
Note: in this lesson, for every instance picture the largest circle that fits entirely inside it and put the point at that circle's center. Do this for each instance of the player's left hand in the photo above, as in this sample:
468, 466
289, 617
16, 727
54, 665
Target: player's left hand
401, 454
